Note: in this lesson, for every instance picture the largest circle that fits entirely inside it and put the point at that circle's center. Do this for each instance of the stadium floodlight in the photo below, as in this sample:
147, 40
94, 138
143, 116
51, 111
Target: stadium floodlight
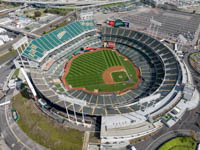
181, 41
67, 110
154, 26
29, 82
20, 57
83, 117
74, 113
17, 46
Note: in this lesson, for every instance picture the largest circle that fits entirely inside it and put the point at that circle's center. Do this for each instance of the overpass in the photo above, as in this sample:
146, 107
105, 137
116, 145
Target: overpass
28, 34
12, 9
78, 4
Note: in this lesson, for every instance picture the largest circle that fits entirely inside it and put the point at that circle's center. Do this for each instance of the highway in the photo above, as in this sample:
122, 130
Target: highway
28, 34
77, 4
12, 9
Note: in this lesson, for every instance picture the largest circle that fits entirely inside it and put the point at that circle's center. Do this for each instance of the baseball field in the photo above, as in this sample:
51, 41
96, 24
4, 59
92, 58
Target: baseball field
103, 70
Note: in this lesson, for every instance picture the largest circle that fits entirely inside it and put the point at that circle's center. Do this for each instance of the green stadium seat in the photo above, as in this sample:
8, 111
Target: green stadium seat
51, 40
42, 44
44, 40
57, 37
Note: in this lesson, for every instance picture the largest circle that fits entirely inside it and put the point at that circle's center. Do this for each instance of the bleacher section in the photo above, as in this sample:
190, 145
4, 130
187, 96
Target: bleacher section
39, 47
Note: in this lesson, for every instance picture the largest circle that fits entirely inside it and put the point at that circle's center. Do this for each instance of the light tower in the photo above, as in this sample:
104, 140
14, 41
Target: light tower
181, 41
18, 46
154, 26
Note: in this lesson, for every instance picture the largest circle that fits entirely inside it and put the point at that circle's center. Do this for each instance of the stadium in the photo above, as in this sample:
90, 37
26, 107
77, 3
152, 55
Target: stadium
91, 75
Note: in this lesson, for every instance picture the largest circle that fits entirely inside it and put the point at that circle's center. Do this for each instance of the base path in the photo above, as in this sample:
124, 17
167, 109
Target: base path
107, 74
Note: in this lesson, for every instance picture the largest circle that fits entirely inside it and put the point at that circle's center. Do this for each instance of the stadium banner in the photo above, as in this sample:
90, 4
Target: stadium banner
110, 22
105, 44
88, 48
126, 24
111, 44
117, 23
120, 23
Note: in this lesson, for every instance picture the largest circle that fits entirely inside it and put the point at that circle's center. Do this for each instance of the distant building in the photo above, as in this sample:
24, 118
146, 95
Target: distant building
86, 15
4, 21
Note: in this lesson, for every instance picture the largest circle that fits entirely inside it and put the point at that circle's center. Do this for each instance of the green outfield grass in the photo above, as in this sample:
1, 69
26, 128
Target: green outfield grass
179, 143
86, 71
119, 76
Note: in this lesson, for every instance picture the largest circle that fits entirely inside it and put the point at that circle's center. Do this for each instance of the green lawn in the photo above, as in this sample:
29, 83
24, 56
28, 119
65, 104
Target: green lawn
86, 71
180, 143
119, 76
43, 130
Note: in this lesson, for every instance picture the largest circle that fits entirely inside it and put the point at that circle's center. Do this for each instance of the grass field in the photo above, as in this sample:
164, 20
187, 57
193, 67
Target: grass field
119, 76
180, 143
86, 71
43, 130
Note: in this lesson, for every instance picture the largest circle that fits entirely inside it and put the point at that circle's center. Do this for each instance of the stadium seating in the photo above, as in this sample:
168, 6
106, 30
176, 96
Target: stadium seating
39, 47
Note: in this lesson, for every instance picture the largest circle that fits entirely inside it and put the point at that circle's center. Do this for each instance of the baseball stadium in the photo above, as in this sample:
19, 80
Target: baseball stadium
91, 75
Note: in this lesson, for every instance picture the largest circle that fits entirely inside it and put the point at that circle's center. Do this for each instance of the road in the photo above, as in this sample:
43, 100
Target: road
13, 9
4, 72
8, 136
17, 30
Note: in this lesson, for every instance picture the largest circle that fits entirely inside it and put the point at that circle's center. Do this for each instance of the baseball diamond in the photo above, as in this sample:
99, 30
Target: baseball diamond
92, 71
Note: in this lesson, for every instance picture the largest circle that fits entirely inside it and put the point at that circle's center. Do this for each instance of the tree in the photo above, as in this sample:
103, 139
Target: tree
27, 28
46, 11
37, 14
